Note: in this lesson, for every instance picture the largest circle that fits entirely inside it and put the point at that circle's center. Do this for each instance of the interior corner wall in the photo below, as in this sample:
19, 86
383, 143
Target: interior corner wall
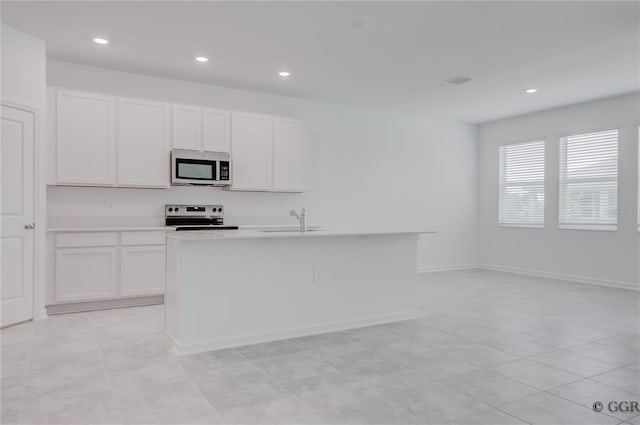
23, 68
603, 257
369, 169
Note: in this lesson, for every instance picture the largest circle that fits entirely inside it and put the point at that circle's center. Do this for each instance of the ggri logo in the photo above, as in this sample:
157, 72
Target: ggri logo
618, 406
623, 406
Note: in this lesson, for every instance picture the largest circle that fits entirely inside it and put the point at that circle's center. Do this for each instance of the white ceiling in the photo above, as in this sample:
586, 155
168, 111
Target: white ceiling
571, 51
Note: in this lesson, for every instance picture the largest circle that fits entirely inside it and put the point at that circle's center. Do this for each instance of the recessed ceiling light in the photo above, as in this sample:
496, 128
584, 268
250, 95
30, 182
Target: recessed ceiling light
101, 41
530, 91
284, 74
458, 79
361, 25
202, 59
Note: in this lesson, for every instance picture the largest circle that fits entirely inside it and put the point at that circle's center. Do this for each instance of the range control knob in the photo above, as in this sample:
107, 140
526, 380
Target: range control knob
170, 209
177, 209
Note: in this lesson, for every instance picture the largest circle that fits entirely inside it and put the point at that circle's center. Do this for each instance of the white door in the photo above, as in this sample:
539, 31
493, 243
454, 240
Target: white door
17, 237
143, 143
289, 155
216, 131
252, 150
85, 143
187, 131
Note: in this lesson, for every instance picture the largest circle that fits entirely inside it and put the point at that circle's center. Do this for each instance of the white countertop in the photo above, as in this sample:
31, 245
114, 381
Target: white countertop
104, 224
245, 231
258, 234
107, 229
142, 228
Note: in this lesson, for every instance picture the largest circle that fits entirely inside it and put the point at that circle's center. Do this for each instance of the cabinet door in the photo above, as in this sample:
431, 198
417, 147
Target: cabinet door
216, 131
290, 141
85, 139
84, 274
187, 131
252, 151
142, 270
143, 143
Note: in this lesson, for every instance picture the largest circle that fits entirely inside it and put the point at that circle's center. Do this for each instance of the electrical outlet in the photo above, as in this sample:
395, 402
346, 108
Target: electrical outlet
317, 275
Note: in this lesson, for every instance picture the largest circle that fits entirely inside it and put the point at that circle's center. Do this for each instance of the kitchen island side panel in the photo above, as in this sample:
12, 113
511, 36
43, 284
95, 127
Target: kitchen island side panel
237, 292
173, 290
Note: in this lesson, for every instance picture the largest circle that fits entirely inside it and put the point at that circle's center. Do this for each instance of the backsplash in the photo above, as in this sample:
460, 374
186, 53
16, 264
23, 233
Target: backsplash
70, 206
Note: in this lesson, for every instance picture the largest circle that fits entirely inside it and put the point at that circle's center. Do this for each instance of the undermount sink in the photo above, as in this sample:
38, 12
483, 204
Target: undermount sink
287, 230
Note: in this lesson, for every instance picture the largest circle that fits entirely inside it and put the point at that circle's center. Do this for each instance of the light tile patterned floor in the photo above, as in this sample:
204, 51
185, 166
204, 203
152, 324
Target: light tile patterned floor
492, 348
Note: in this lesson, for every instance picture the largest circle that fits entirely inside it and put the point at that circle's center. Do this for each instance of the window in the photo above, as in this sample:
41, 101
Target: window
522, 184
589, 181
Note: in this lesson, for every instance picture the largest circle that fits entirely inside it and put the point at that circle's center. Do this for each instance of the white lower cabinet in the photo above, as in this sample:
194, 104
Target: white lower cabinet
106, 266
85, 273
142, 270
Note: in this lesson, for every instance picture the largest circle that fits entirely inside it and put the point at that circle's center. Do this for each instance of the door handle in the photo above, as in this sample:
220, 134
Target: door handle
30, 226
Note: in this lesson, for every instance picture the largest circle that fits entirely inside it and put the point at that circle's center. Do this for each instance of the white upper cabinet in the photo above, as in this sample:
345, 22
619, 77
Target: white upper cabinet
143, 143
252, 152
201, 129
290, 155
99, 140
85, 148
216, 130
187, 127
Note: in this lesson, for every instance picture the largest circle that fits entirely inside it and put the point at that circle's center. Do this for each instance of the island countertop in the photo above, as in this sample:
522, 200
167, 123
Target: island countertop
274, 233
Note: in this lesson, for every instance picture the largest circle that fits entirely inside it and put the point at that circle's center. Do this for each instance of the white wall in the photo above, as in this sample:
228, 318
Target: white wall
23, 59
591, 256
23, 68
368, 170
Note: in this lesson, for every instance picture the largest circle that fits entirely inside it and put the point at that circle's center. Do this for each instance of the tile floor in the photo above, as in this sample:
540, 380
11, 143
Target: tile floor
492, 348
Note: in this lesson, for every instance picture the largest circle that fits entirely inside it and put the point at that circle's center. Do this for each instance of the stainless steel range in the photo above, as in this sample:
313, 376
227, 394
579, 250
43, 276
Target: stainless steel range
196, 217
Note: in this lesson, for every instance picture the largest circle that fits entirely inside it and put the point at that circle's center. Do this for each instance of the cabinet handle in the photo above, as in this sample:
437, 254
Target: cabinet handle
30, 226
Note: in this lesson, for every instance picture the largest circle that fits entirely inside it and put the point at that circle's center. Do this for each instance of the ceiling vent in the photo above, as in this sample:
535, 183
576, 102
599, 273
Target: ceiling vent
458, 79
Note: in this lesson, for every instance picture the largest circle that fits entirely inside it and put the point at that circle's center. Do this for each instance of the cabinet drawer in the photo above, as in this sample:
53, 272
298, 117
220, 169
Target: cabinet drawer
75, 240
142, 238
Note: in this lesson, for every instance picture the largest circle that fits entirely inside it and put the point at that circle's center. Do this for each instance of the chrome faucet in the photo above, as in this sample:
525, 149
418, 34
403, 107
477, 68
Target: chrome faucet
302, 218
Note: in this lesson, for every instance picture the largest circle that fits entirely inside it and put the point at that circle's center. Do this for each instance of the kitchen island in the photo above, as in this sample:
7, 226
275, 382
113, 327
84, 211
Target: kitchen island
229, 288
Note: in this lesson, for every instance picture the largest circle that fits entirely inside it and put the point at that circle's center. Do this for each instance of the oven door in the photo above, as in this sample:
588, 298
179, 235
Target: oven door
194, 171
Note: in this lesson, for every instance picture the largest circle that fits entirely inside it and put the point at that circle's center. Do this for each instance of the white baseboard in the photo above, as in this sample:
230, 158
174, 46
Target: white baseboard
534, 273
76, 307
42, 314
431, 269
560, 276
180, 348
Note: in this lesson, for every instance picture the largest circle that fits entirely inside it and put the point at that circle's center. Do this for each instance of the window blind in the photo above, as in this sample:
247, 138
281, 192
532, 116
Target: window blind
522, 184
589, 180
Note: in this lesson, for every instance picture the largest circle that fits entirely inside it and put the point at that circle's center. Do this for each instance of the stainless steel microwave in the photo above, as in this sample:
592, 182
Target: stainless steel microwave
200, 168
